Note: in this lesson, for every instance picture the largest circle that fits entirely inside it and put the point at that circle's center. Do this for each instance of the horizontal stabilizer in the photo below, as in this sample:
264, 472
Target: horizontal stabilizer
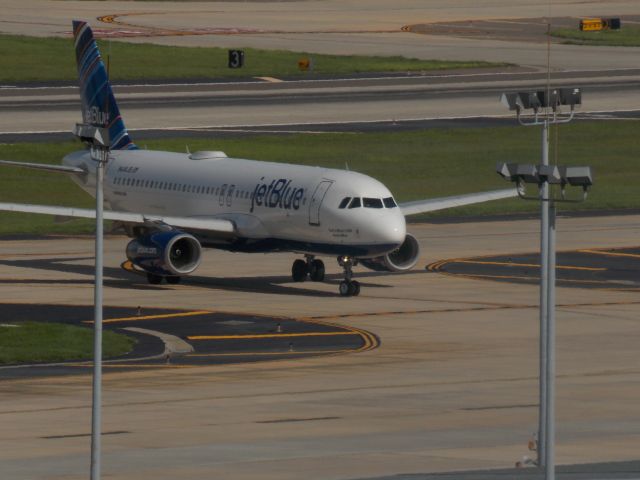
44, 166
442, 203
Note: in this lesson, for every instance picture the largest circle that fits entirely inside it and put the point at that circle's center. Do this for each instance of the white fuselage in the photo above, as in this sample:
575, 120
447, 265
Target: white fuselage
273, 206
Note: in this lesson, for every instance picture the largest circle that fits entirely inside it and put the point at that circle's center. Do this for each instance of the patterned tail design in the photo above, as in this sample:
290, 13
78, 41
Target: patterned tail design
98, 103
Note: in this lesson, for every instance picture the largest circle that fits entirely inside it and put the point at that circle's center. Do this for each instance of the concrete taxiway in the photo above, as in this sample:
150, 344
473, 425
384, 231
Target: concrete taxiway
452, 386
299, 104
332, 26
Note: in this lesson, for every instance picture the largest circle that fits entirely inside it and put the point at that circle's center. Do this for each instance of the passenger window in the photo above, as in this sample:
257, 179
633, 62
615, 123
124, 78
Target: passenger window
355, 203
389, 202
344, 202
372, 203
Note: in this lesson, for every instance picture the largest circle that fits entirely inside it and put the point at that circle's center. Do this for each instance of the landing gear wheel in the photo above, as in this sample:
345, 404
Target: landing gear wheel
354, 288
154, 279
173, 280
316, 270
348, 287
299, 271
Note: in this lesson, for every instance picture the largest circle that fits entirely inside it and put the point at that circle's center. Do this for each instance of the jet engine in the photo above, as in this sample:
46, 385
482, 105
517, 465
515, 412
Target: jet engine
171, 253
400, 260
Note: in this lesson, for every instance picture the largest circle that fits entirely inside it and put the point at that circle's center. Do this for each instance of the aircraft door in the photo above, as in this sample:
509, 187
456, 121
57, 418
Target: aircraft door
316, 201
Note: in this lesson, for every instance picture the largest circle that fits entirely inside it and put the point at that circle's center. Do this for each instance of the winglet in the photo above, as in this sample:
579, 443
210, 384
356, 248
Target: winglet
99, 106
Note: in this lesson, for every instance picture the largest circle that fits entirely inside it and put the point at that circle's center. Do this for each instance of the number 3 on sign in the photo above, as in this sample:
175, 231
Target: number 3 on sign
236, 58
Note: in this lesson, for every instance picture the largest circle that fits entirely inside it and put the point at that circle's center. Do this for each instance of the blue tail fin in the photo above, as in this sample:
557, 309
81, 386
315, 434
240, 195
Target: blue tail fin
98, 103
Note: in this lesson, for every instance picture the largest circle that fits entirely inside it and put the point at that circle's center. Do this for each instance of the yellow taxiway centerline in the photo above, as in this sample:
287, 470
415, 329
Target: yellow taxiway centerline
154, 317
532, 265
611, 254
268, 335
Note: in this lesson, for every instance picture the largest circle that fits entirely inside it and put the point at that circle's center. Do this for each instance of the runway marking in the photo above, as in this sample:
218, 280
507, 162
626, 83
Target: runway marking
515, 264
370, 341
270, 79
78, 435
528, 278
268, 335
268, 354
610, 254
495, 307
154, 317
144, 31
609, 285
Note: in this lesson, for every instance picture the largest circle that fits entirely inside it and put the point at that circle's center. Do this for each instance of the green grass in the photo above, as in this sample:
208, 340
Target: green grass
414, 165
627, 36
20, 185
25, 59
33, 342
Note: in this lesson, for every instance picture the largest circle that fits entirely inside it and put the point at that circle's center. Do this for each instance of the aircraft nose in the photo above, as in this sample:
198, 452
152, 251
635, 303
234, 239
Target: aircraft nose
394, 228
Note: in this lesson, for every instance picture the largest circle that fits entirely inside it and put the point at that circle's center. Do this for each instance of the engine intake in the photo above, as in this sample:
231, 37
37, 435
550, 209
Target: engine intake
165, 253
400, 260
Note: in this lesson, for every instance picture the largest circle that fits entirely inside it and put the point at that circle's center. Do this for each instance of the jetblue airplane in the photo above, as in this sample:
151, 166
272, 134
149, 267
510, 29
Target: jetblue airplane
174, 204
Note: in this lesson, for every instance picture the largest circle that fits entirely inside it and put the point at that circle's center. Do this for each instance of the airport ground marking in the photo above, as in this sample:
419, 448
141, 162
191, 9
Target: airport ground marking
610, 254
495, 307
370, 341
516, 264
146, 31
525, 278
154, 317
268, 354
269, 335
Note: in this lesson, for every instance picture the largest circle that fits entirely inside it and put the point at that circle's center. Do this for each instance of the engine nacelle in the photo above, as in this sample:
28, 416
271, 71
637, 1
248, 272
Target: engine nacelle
171, 253
400, 260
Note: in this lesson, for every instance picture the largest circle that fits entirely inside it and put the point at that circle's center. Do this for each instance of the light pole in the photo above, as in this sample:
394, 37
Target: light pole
98, 140
544, 175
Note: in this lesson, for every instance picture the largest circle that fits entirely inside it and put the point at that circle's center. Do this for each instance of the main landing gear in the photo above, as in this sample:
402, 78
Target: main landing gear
348, 287
314, 269
311, 267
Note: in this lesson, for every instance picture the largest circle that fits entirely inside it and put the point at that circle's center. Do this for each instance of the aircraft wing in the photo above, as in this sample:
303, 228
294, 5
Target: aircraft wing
209, 224
44, 166
433, 204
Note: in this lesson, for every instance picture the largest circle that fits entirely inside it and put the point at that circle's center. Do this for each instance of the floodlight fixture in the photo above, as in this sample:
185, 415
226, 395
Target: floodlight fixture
511, 101
545, 176
550, 173
518, 171
92, 134
570, 96
578, 176
536, 100
525, 173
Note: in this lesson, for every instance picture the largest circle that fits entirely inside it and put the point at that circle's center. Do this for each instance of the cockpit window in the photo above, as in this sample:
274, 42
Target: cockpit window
389, 202
371, 202
355, 202
344, 202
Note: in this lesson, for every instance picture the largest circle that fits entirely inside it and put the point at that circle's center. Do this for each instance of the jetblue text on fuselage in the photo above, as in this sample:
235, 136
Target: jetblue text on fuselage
276, 194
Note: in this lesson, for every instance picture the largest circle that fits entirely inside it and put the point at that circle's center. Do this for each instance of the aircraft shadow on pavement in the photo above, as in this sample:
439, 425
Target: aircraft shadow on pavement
119, 278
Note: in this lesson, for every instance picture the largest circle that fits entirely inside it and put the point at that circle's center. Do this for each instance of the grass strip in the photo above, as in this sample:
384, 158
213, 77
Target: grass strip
627, 36
414, 165
35, 342
33, 59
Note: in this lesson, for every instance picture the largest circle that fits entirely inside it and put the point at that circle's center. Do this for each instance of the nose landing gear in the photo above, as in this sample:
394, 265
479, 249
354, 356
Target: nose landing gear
348, 287
311, 266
